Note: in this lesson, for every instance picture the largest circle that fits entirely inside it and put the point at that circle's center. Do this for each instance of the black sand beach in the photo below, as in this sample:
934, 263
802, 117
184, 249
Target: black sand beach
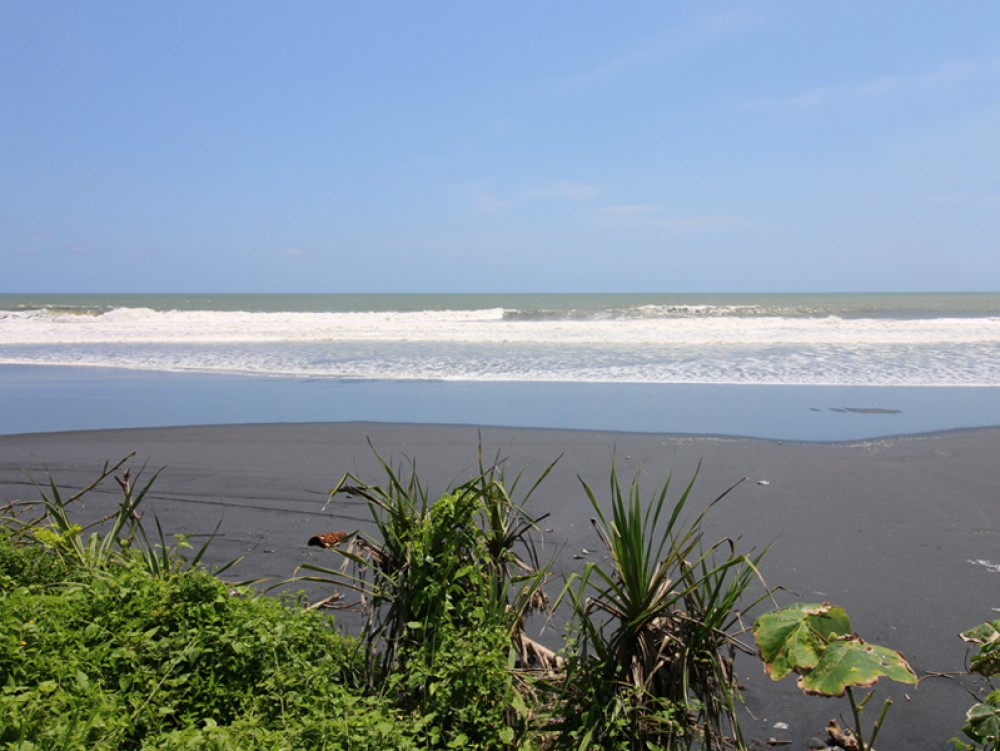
903, 532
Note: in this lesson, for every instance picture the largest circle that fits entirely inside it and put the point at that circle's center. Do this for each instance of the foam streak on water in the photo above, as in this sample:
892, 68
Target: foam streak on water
912, 340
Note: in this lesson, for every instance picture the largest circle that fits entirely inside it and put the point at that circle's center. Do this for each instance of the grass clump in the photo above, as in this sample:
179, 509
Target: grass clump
652, 665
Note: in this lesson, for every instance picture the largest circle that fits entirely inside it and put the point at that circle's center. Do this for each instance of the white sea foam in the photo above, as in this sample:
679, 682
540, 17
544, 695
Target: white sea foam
143, 325
689, 343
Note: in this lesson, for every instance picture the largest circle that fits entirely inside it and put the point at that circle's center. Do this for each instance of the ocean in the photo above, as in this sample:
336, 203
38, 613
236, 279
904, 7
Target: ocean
377, 350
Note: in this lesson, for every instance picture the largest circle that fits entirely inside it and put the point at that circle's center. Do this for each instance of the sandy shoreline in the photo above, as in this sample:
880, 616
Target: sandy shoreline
899, 531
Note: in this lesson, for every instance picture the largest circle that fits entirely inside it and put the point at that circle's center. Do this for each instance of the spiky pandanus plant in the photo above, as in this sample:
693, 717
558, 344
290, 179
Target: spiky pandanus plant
655, 627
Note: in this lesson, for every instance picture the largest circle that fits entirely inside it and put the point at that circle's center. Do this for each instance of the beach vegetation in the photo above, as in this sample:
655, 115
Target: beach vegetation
816, 641
111, 637
113, 539
445, 588
110, 640
655, 628
982, 721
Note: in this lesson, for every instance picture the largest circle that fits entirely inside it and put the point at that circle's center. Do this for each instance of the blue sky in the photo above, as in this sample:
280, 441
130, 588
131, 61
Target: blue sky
426, 146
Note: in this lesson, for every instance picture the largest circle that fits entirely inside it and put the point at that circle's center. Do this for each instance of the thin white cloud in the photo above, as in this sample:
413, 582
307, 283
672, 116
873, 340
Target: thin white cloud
31, 241
560, 190
953, 71
704, 223
563, 189
83, 248
289, 252
651, 217
490, 201
656, 50
966, 198
478, 195
629, 210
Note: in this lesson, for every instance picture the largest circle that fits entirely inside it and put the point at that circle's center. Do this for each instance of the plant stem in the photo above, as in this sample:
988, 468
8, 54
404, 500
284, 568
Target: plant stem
878, 723
856, 711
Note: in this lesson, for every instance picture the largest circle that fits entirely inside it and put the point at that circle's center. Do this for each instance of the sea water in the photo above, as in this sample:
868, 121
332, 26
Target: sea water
554, 356
847, 340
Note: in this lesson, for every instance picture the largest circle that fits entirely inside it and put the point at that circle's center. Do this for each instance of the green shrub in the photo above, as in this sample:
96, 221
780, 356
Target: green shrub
982, 721
27, 564
445, 594
120, 656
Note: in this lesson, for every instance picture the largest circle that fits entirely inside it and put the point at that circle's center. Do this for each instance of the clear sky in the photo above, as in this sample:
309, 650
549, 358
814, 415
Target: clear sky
487, 145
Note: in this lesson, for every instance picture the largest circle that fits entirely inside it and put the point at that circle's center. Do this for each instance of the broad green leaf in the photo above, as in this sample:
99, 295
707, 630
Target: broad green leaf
982, 721
793, 638
987, 661
984, 633
854, 663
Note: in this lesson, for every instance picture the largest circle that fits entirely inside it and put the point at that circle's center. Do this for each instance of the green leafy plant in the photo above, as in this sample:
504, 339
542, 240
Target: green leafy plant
982, 721
445, 587
816, 642
120, 658
653, 658
104, 646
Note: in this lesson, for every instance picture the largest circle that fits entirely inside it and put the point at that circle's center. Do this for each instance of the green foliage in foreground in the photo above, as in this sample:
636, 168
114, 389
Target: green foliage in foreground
655, 628
116, 658
982, 721
817, 641
445, 586
112, 640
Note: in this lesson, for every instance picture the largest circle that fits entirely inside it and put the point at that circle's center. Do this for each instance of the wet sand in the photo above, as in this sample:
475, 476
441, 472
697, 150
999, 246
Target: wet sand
902, 532
37, 399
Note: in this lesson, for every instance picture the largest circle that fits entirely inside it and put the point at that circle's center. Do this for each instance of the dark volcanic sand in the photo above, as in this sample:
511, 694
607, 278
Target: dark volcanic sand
902, 532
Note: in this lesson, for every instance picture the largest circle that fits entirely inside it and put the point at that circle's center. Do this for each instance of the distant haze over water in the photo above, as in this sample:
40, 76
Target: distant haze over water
749, 339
